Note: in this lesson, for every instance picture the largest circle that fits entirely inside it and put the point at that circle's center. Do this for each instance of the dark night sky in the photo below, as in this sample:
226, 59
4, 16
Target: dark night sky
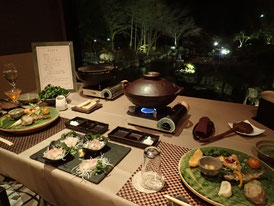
224, 17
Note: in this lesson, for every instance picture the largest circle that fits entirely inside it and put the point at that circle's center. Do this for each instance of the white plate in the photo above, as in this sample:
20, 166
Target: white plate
256, 130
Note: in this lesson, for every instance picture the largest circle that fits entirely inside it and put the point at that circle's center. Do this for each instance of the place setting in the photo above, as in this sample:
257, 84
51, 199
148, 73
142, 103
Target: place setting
24, 118
88, 156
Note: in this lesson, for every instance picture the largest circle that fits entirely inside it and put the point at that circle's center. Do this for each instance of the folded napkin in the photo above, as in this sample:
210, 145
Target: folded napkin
204, 128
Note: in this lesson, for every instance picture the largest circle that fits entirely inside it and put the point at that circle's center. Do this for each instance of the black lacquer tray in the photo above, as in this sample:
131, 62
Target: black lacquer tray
132, 137
87, 125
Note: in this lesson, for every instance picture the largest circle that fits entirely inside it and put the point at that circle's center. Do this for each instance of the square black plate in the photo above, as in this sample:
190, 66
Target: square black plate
87, 125
132, 137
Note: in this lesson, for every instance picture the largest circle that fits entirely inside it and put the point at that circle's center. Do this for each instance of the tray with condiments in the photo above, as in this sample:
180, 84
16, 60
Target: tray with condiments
133, 137
86, 125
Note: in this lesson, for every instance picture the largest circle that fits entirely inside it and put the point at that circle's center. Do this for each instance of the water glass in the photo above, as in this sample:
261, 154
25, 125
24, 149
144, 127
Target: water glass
152, 178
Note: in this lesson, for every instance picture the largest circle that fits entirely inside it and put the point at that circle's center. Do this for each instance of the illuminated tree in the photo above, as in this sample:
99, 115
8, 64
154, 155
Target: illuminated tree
179, 27
115, 18
147, 17
242, 37
267, 34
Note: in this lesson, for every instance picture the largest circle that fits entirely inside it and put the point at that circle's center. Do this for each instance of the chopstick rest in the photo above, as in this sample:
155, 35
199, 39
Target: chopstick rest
6, 141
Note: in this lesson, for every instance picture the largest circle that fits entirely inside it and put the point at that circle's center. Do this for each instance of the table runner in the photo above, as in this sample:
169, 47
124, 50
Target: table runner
171, 155
22, 142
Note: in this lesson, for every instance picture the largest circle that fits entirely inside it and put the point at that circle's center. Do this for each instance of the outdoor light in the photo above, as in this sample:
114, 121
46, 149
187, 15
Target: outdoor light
262, 15
172, 47
216, 43
225, 51
108, 39
189, 68
94, 40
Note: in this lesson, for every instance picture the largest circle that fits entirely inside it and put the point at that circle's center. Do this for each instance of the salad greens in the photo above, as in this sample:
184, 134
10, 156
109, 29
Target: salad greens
70, 134
91, 136
100, 168
208, 187
73, 150
51, 92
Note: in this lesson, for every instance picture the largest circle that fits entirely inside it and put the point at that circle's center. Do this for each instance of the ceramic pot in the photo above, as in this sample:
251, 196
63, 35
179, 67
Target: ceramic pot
95, 74
151, 91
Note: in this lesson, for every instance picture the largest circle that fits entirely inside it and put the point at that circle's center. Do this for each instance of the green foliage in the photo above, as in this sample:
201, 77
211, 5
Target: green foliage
100, 168
51, 92
92, 136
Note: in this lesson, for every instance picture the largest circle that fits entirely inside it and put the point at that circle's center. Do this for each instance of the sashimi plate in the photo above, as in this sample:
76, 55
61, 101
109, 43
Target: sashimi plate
207, 188
5, 123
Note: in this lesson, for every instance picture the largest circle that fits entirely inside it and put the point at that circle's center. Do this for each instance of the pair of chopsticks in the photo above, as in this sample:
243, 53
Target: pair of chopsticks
6, 141
179, 202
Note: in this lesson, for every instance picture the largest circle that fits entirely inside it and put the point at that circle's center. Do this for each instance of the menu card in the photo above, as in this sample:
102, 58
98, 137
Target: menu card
54, 65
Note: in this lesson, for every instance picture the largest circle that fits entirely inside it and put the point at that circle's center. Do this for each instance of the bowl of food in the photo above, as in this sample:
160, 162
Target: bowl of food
28, 98
265, 149
210, 166
16, 113
50, 92
94, 143
56, 151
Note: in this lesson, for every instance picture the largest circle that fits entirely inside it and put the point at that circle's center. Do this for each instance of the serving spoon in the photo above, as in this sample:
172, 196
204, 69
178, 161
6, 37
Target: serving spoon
241, 126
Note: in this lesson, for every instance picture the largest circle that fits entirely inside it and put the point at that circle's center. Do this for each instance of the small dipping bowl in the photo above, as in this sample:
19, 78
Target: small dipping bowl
16, 113
206, 162
28, 98
265, 149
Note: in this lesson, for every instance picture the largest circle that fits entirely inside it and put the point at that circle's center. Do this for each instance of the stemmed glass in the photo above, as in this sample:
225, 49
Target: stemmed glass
10, 74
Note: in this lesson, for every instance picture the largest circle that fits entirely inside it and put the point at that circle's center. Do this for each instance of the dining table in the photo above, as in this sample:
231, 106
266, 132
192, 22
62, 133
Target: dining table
61, 188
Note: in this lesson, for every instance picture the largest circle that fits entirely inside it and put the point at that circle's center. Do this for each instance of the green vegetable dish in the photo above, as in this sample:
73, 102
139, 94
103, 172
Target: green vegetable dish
9, 125
51, 92
208, 188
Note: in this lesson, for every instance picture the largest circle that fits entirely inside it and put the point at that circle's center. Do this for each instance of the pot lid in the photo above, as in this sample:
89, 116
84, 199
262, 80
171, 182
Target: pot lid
151, 85
95, 68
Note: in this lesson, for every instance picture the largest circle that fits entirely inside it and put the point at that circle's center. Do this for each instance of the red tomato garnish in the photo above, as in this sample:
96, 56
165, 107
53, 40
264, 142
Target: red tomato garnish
230, 160
254, 163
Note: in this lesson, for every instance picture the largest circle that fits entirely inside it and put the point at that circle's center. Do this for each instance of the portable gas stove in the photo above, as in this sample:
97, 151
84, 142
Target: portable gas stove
164, 119
106, 92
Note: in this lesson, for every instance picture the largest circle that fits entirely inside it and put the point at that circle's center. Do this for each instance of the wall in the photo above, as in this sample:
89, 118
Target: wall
24, 22
26, 77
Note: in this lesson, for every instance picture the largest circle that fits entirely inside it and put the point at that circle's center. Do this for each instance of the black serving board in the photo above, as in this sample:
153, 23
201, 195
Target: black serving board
114, 152
87, 125
132, 137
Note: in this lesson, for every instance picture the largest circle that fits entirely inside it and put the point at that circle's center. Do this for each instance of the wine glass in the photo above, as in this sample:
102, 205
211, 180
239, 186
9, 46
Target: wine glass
10, 74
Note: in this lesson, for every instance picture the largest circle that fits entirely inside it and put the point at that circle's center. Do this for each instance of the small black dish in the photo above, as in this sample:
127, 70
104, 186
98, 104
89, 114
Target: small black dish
133, 137
91, 151
87, 125
66, 157
95, 153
